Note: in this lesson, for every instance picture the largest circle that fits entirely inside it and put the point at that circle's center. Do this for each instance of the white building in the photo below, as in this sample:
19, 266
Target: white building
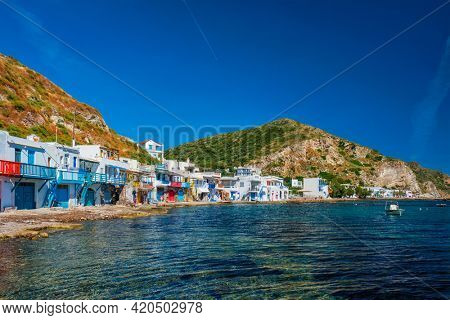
108, 173
34, 174
249, 185
315, 188
295, 183
206, 185
155, 149
273, 189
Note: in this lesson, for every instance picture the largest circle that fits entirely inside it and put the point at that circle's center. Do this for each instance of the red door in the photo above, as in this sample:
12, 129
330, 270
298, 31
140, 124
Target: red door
171, 197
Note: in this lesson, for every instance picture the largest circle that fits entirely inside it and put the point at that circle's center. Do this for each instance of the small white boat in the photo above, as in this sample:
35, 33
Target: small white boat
393, 208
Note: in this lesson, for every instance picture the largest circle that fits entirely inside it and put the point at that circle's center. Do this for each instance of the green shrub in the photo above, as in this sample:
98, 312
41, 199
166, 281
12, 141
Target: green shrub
41, 132
356, 162
16, 131
19, 106
327, 176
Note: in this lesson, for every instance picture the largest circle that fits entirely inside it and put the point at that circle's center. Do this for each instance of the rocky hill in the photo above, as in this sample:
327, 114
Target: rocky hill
30, 103
288, 148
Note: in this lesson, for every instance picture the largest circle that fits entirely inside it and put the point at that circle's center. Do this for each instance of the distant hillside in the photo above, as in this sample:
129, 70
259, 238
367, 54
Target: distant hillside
290, 149
30, 103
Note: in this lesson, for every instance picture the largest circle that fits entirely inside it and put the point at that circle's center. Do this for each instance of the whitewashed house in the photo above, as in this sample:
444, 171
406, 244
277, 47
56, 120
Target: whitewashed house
155, 149
249, 185
273, 189
108, 175
35, 174
315, 188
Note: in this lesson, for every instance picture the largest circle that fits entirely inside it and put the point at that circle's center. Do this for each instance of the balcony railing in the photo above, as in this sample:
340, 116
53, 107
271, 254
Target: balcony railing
72, 177
35, 171
175, 184
147, 180
161, 167
9, 168
121, 180
97, 177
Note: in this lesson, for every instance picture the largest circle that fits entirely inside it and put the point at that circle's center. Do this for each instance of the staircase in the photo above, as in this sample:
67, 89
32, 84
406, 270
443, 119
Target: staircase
81, 195
51, 194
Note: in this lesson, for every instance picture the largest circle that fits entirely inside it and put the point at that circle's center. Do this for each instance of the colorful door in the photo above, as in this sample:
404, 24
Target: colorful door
24, 196
180, 196
62, 196
90, 198
107, 198
171, 197
159, 194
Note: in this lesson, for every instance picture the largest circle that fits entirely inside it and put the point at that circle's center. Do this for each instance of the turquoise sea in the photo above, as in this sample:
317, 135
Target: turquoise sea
348, 250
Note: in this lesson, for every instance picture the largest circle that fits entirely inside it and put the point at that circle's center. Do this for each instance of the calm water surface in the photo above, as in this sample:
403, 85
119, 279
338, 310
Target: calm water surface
295, 251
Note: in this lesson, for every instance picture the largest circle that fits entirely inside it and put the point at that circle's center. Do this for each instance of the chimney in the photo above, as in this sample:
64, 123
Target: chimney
33, 137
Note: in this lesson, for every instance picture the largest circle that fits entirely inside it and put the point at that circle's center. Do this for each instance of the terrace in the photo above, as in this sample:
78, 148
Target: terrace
37, 172
9, 168
97, 177
120, 180
72, 176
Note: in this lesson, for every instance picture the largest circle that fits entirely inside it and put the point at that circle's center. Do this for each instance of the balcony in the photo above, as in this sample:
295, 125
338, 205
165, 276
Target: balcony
162, 182
9, 168
71, 177
38, 172
147, 180
97, 177
175, 184
120, 180
161, 167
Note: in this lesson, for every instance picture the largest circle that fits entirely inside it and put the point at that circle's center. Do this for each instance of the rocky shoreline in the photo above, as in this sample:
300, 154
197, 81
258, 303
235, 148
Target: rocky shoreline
39, 223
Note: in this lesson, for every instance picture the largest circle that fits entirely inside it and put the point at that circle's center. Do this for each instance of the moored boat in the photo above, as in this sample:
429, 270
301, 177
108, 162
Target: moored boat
393, 208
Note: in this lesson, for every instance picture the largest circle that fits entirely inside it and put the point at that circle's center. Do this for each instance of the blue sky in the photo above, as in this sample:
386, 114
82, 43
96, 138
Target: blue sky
241, 63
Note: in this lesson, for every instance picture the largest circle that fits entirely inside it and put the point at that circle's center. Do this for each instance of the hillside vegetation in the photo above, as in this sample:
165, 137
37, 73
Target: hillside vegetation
290, 149
30, 103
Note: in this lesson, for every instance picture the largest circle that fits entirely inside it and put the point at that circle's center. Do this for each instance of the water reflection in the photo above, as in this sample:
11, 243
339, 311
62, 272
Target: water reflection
305, 251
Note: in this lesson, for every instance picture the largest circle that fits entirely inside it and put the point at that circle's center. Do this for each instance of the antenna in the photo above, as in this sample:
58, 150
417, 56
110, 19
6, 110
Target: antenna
73, 127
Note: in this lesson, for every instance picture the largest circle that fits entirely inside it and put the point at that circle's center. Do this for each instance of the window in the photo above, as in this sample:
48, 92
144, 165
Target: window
74, 162
17, 155
30, 157
241, 184
49, 161
66, 160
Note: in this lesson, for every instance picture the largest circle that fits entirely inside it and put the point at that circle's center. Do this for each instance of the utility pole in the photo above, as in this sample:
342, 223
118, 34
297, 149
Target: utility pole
73, 127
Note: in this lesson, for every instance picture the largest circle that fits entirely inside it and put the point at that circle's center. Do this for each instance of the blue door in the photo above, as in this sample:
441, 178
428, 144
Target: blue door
24, 196
62, 196
159, 194
107, 199
180, 195
90, 198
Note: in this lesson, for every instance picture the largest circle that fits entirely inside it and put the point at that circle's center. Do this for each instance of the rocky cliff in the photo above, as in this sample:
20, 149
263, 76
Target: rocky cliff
30, 103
